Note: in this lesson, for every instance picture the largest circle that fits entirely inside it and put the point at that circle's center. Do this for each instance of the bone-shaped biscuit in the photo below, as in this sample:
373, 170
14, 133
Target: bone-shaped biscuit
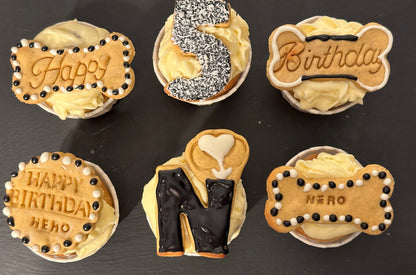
362, 199
40, 71
217, 154
294, 57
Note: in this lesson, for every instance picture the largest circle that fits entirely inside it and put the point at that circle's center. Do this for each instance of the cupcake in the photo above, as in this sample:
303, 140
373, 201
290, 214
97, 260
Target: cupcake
73, 69
196, 203
203, 52
325, 198
325, 65
62, 208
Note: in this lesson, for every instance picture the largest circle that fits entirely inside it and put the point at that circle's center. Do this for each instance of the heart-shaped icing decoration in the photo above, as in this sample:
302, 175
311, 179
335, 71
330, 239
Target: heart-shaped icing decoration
218, 148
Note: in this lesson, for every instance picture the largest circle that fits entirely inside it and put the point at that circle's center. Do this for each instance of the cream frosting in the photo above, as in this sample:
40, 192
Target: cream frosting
73, 34
327, 165
237, 215
173, 64
324, 95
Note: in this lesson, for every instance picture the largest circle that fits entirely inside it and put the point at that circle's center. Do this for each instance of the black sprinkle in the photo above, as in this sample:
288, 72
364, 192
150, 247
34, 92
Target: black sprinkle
114, 37
13, 57
60, 52
286, 173
127, 76
126, 64
45, 249
274, 183
125, 43
16, 82
44, 48
115, 92
75, 49
333, 218
364, 225
55, 156
91, 48
386, 189
383, 203
78, 163
19, 45
278, 197
35, 160
42, 94
125, 53
25, 240
316, 217
93, 181
102, 42
125, 86
69, 88
94, 85
14, 174
387, 215
382, 175
331, 184
31, 44
366, 176
316, 186
350, 183
80, 87
274, 212
286, 223
301, 182
55, 88
67, 243
300, 219
6, 198
382, 226
17, 69
87, 227
96, 205
103, 89
10, 221
348, 218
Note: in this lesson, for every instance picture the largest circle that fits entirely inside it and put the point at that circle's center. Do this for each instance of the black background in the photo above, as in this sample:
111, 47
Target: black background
148, 128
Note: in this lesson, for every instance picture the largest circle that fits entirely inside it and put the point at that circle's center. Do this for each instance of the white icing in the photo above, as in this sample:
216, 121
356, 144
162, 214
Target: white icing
15, 49
100, 83
276, 190
35, 248
387, 222
341, 218
56, 248
96, 194
86, 171
47, 88
128, 81
387, 181
15, 234
293, 173
78, 237
8, 185
126, 58
357, 221
97, 47
278, 205
85, 50
66, 160
22, 166
34, 97
388, 209
306, 217
374, 227
278, 221
53, 51
374, 173
326, 218
324, 188
44, 157
359, 183
88, 86
384, 197
293, 221
6, 211
279, 176
17, 75
15, 63
218, 147
341, 186
307, 187
92, 216
37, 45
109, 92
24, 42
18, 91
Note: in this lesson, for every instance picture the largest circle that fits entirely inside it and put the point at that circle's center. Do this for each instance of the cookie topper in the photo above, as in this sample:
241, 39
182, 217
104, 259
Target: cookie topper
295, 57
53, 202
40, 71
361, 199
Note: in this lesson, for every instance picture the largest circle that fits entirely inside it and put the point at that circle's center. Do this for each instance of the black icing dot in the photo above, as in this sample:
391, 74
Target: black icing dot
125, 86
60, 52
67, 243
348, 218
55, 88
96, 205
25, 240
6, 198
286, 173
91, 48
316, 186
78, 163
75, 49
386, 189
42, 94
274, 212
364, 225
94, 85
31, 44
274, 183
300, 182
35, 160
80, 87
55, 156
103, 89
350, 183
10, 221
14, 174
16, 82
115, 92
333, 218
387, 215
17, 69
93, 181
86, 227
127, 76
19, 45
382, 226
278, 197
125, 53
383, 203
300, 219
13, 57
125, 43
286, 223
26, 97
44, 48
126, 64
382, 175
102, 42
45, 249
114, 37
69, 88
316, 217
366, 176
331, 184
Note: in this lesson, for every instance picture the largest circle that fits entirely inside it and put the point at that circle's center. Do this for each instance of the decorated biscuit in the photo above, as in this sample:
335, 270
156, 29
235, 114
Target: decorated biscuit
324, 63
61, 207
203, 53
58, 71
332, 194
196, 204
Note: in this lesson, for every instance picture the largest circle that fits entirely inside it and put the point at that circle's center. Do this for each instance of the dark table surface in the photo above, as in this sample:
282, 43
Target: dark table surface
148, 128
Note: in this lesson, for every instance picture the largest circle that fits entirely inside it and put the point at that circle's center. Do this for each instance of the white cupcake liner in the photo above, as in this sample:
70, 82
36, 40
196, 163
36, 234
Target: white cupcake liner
164, 82
289, 97
329, 244
106, 180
